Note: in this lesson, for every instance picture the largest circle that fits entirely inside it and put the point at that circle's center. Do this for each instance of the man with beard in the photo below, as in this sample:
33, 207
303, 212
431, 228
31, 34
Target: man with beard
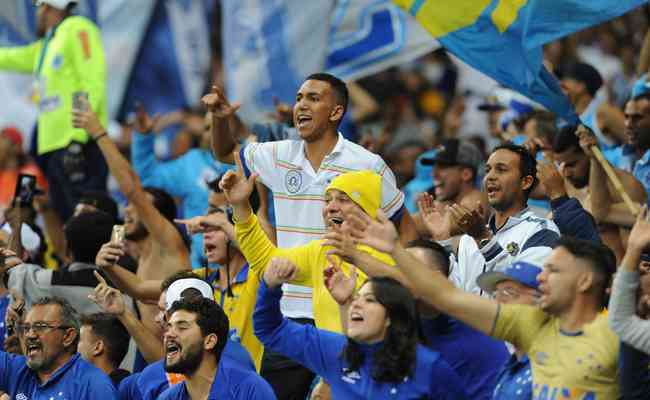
67, 63
195, 338
585, 180
514, 232
51, 367
148, 221
637, 131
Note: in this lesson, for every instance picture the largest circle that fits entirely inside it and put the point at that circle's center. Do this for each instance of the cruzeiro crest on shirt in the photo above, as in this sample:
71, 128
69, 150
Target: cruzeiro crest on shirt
293, 181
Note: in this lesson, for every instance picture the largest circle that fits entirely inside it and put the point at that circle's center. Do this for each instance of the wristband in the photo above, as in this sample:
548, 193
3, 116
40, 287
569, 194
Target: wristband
101, 135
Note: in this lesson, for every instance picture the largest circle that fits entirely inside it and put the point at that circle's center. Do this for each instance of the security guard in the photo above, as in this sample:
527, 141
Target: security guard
68, 65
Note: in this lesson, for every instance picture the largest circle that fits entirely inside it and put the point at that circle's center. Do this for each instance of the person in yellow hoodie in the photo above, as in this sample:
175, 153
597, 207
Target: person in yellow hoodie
68, 64
351, 192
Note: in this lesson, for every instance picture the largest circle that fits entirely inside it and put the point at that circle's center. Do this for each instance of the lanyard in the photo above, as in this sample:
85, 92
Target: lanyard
46, 42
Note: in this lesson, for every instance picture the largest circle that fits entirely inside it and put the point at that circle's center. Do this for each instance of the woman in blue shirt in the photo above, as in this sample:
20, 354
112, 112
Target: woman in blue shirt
378, 358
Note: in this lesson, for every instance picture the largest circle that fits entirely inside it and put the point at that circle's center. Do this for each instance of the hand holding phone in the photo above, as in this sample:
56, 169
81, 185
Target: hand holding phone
25, 190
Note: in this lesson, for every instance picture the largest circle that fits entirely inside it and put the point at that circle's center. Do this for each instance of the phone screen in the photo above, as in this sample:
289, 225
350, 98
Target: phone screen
25, 189
77, 101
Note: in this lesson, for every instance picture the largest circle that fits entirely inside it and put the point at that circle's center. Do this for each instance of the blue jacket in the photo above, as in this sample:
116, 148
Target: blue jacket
320, 351
152, 381
475, 357
573, 220
75, 380
231, 382
184, 177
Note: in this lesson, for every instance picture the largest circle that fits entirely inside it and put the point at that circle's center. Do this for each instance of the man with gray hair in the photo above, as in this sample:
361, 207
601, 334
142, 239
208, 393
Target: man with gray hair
51, 367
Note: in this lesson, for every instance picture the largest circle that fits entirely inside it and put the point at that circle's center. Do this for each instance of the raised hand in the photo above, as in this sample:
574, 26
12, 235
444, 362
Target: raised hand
587, 139
143, 122
235, 186
217, 103
379, 234
438, 222
109, 299
11, 260
551, 180
471, 222
639, 239
87, 120
341, 241
109, 254
279, 271
340, 286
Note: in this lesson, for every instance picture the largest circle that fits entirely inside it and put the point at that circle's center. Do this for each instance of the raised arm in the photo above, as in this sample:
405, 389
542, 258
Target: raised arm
162, 230
622, 304
430, 286
125, 280
227, 128
110, 300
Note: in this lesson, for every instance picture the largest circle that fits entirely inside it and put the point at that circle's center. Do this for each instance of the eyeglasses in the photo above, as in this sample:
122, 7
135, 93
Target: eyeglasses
508, 293
38, 328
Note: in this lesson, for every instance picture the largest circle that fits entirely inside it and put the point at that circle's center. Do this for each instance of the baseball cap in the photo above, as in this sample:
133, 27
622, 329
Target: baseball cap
521, 271
363, 187
12, 134
60, 4
584, 73
456, 152
176, 289
641, 86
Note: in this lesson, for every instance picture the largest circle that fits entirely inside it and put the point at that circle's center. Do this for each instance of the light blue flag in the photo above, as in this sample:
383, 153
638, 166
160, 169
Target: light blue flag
504, 38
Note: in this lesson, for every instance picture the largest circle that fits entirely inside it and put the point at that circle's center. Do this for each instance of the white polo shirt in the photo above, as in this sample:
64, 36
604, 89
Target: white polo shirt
299, 195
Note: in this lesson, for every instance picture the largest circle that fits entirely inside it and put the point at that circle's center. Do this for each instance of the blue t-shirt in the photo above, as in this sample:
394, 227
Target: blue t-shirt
75, 380
4, 304
153, 380
476, 358
515, 381
231, 382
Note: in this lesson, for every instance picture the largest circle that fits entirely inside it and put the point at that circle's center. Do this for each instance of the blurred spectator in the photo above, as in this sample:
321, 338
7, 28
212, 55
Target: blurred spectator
14, 162
68, 65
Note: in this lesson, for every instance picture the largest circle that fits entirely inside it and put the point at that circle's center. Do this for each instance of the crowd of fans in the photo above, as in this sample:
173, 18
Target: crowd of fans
440, 244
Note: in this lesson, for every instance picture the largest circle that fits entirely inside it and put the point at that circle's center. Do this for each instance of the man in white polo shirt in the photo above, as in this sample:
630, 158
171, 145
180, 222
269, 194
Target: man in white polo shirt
298, 171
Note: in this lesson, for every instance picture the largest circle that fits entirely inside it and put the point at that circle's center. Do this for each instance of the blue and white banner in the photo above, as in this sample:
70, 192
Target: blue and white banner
270, 46
373, 35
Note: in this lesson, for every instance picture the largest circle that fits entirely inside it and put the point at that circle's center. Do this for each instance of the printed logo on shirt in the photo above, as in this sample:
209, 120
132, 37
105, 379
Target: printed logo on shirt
21, 396
293, 181
512, 248
546, 392
350, 376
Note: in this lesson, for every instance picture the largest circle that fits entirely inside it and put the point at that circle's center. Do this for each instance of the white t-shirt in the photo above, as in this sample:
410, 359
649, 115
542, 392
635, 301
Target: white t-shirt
299, 195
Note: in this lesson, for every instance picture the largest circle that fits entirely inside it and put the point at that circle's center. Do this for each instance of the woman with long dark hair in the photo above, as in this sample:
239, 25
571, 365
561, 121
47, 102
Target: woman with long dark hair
379, 357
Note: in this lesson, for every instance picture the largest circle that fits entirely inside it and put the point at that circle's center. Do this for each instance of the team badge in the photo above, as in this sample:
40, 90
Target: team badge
57, 62
293, 181
512, 248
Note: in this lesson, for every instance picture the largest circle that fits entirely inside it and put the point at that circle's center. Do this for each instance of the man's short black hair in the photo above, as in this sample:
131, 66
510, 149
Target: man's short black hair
440, 254
642, 96
86, 233
163, 202
600, 257
566, 139
112, 332
339, 87
209, 317
527, 163
100, 200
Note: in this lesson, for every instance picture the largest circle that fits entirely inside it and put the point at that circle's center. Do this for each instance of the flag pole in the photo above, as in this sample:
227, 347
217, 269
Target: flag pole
611, 174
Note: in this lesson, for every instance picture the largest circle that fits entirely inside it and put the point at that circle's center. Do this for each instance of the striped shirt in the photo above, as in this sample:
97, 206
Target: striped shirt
299, 195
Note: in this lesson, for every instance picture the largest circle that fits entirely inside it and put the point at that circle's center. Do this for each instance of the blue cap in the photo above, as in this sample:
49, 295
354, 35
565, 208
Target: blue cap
522, 272
641, 86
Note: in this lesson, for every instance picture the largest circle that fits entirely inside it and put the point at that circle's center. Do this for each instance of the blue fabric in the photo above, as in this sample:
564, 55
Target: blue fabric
641, 171
422, 182
572, 220
320, 351
543, 237
475, 357
76, 379
184, 178
231, 382
515, 380
505, 41
634, 377
4, 303
128, 389
152, 381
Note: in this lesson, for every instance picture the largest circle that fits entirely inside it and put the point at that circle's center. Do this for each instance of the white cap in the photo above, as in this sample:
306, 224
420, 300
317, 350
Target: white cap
29, 239
178, 287
60, 4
